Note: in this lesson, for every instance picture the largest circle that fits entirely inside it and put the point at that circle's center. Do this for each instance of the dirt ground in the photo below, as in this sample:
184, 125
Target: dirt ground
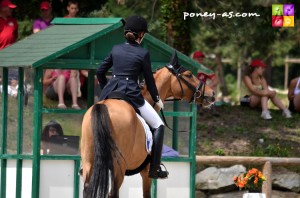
240, 131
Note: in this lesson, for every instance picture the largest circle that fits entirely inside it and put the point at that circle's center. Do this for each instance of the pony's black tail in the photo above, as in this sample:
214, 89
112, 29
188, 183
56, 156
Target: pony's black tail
105, 150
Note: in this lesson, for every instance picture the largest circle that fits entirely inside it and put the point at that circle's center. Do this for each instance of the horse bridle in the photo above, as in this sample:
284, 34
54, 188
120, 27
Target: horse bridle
196, 90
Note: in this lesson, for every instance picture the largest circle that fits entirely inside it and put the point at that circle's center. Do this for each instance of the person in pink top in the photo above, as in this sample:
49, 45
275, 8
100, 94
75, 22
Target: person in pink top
60, 84
46, 17
8, 24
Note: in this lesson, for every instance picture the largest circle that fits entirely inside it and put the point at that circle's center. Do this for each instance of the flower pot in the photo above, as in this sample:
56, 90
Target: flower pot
254, 195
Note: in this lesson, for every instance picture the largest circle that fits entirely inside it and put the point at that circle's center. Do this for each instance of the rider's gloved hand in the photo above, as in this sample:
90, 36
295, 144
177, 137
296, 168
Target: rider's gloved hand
160, 104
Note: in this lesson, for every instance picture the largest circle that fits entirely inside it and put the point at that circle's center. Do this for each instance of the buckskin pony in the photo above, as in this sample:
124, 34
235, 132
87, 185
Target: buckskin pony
113, 138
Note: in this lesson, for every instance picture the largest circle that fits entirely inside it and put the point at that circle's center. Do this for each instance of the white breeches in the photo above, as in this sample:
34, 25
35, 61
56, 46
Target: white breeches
150, 115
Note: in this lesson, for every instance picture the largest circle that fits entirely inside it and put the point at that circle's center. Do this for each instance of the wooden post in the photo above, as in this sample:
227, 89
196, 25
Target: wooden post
239, 79
267, 185
286, 74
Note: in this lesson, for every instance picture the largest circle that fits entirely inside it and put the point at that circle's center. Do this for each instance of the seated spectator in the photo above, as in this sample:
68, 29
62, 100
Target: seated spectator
260, 92
13, 82
12, 88
294, 95
13, 85
83, 77
211, 80
61, 84
51, 129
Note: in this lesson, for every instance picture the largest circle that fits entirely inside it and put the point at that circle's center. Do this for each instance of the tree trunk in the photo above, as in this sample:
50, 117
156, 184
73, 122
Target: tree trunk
220, 74
268, 72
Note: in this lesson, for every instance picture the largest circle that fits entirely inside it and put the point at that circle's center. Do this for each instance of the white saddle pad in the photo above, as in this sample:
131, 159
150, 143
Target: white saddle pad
149, 140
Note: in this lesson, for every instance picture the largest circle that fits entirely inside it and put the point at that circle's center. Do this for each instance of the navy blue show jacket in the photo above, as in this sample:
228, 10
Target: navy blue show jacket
128, 62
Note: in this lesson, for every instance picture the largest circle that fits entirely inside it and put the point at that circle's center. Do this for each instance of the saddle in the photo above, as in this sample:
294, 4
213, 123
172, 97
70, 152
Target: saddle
121, 96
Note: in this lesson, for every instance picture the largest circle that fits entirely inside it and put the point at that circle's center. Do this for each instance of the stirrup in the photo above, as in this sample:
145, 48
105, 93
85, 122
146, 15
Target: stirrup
158, 173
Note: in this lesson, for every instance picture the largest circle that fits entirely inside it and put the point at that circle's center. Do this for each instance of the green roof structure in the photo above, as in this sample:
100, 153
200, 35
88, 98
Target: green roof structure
65, 39
82, 43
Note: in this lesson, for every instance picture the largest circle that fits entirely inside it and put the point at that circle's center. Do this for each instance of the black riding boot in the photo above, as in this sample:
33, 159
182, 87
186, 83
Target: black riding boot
155, 170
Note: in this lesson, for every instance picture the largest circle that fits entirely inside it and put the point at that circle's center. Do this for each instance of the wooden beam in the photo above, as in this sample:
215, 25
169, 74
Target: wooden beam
226, 60
292, 60
231, 160
286, 75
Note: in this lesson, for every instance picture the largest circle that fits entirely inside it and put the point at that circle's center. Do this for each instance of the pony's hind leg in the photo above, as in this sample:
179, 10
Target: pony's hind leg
86, 172
147, 181
117, 181
87, 152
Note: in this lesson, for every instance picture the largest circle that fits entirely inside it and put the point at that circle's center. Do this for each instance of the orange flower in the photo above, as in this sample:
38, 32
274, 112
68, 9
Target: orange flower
253, 171
256, 180
252, 180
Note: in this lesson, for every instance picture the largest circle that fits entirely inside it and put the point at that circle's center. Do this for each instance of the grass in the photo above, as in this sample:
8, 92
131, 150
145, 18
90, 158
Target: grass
241, 131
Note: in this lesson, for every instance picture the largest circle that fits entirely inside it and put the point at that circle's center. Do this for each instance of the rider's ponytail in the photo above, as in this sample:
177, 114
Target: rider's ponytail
130, 36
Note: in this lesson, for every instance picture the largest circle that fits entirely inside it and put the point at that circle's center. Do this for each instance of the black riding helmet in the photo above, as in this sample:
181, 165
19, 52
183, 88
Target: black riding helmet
135, 24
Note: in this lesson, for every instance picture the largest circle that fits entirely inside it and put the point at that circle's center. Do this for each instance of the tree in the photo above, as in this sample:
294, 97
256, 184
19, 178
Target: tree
241, 39
176, 30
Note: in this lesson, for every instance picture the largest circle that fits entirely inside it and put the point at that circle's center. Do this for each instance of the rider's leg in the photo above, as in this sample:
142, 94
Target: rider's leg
153, 119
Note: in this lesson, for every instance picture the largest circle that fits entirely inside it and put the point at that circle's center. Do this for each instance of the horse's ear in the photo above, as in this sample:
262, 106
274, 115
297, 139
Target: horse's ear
174, 60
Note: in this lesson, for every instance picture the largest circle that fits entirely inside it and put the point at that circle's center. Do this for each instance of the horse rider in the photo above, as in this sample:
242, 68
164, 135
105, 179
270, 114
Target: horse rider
128, 61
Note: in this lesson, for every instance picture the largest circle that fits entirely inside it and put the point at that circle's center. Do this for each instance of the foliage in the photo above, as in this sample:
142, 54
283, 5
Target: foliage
25, 28
219, 152
272, 150
175, 29
104, 12
231, 83
29, 9
252, 180
241, 39
148, 9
